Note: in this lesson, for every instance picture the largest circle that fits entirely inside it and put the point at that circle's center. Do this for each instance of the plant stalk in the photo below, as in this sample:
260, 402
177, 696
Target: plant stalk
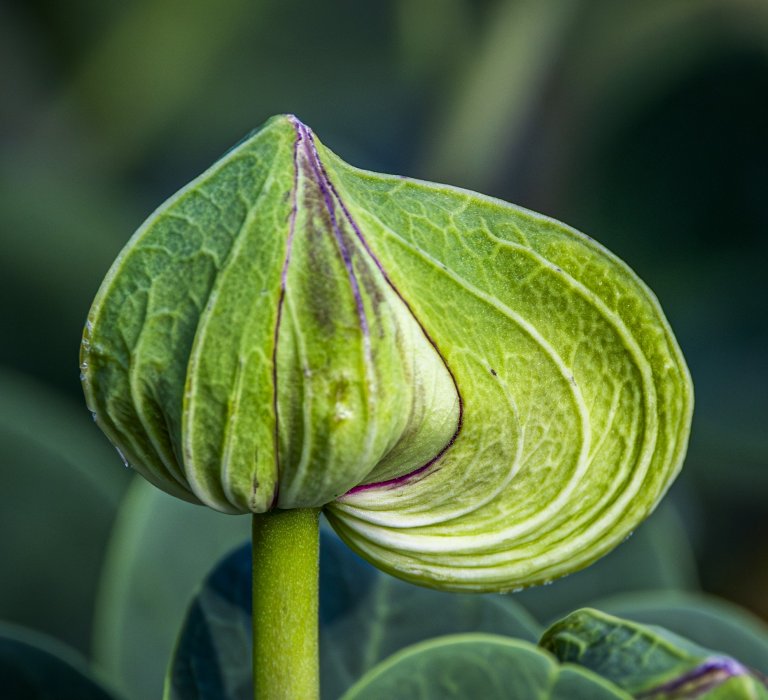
286, 554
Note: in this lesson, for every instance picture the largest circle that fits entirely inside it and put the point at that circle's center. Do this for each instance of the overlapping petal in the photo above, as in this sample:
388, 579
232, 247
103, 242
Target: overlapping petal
481, 397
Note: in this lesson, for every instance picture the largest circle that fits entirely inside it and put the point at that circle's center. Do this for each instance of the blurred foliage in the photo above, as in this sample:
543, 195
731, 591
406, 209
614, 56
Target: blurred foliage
644, 124
161, 549
150, 575
365, 616
59, 501
36, 666
368, 619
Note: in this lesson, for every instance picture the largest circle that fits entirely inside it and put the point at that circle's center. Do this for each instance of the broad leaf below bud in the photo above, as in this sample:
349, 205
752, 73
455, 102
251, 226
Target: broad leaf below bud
481, 397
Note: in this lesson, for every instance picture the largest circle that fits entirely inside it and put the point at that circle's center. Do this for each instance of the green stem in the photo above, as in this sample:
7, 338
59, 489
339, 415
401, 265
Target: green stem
286, 556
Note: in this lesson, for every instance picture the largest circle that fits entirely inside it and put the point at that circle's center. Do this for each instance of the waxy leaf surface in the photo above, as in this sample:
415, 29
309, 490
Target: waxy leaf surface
480, 666
708, 621
650, 662
481, 397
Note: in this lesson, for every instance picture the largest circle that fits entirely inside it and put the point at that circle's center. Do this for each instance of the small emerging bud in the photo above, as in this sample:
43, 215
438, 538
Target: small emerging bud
650, 662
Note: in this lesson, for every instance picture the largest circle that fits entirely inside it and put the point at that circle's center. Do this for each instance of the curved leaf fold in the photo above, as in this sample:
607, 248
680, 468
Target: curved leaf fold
650, 662
481, 397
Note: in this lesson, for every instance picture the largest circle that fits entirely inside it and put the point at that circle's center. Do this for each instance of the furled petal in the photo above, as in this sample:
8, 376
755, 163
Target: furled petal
247, 352
576, 398
481, 397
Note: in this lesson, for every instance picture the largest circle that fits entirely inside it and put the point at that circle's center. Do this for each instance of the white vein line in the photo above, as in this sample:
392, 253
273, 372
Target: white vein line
549, 351
641, 363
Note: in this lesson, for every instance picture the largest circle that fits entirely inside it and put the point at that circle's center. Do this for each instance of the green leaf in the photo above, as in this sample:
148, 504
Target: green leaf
36, 666
648, 662
61, 483
479, 666
365, 616
482, 398
159, 552
711, 622
362, 625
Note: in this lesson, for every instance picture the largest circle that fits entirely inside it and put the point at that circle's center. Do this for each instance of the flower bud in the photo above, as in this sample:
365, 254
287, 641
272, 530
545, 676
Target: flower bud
480, 397
247, 350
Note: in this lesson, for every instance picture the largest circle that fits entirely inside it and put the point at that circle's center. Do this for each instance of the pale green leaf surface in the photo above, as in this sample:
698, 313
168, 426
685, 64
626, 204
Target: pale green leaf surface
657, 556
577, 400
648, 662
493, 398
460, 667
712, 622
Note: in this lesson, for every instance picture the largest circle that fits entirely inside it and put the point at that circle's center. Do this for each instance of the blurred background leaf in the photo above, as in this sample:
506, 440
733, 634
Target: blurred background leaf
479, 665
151, 576
365, 616
643, 124
60, 483
160, 550
33, 665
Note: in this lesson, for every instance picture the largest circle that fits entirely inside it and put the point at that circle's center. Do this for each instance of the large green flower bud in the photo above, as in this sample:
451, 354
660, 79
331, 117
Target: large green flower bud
248, 352
480, 396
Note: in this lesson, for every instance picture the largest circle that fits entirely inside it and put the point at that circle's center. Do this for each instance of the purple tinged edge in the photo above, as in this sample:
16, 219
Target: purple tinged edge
323, 183
330, 193
720, 668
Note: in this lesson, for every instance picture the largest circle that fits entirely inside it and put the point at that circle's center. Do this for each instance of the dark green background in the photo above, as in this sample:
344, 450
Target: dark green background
644, 124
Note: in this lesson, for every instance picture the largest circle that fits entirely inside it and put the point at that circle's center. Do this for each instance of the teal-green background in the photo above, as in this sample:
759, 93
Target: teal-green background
644, 124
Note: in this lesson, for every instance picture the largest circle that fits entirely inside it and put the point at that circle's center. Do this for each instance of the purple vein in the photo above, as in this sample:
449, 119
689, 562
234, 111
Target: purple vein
325, 187
329, 187
280, 303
